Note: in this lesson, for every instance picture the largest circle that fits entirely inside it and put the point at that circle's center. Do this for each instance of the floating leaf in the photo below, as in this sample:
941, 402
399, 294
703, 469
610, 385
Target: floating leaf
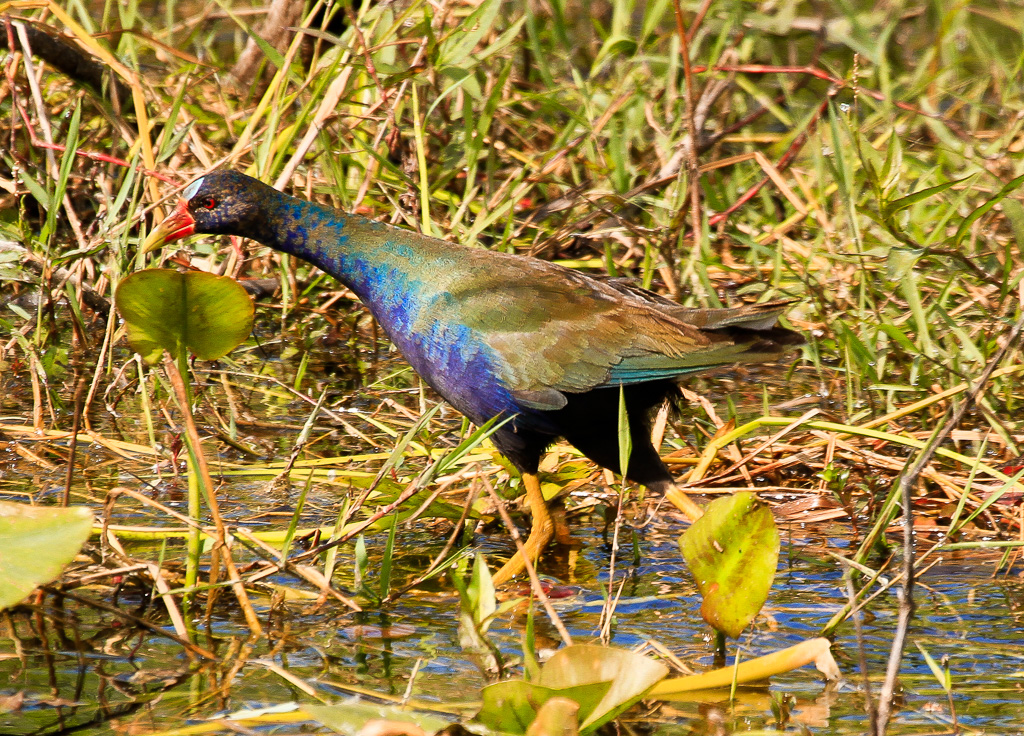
206, 314
631, 675
511, 706
732, 552
602, 680
36, 543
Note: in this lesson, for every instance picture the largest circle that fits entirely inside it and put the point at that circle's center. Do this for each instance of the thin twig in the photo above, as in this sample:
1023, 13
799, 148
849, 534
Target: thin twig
608, 609
442, 555
862, 655
310, 575
690, 143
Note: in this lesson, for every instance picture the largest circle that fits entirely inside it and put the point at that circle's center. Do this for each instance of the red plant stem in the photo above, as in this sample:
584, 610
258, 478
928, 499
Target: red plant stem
102, 157
697, 20
820, 74
93, 156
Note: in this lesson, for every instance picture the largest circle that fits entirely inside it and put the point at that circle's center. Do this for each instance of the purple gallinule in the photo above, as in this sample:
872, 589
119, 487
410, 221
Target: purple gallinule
498, 334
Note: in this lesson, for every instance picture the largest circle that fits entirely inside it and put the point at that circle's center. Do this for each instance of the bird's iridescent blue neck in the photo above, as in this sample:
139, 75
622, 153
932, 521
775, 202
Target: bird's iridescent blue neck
349, 247
403, 278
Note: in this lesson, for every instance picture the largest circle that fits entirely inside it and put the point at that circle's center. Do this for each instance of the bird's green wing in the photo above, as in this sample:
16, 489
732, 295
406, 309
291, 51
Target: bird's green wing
563, 332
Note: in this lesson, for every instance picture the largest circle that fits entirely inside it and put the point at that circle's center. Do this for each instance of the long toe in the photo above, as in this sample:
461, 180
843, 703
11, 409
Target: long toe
541, 532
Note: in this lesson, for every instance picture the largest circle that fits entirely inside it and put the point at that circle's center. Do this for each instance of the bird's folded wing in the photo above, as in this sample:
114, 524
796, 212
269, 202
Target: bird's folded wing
564, 332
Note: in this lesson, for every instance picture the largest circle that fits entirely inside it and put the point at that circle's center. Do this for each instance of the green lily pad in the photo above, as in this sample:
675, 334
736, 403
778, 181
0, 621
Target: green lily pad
511, 706
602, 680
631, 675
163, 309
732, 552
36, 543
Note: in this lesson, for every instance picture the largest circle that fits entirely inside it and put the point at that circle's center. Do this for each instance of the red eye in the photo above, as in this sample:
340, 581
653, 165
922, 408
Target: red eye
208, 204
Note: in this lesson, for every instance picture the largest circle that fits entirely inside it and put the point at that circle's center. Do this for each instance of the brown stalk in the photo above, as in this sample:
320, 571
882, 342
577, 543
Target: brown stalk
237, 586
442, 555
78, 340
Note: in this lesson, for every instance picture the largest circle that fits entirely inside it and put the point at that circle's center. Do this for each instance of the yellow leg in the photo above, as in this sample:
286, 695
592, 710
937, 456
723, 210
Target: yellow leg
541, 531
678, 498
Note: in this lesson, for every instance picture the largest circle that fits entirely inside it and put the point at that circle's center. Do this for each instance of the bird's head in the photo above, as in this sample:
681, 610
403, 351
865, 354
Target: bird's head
222, 202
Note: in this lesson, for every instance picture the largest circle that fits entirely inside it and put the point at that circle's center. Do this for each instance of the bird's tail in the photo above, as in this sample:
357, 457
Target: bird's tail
752, 328
757, 317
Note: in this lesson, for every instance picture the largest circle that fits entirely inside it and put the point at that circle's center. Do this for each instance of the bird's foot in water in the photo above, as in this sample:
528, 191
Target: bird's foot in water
542, 530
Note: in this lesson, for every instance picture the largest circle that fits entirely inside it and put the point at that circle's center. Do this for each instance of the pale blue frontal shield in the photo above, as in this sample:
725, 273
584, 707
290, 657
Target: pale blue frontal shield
191, 189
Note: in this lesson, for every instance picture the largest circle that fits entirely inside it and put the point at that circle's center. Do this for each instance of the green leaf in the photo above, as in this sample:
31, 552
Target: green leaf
941, 675
480, 600
166, 310
899, 336
900, 261
892, 169
631, 675
507, 36
615, 45
732, 552
891, 208
620, 38
36, 543
460, 42
385, 564
625, 438
361, 558
965, 226
478, 605
512, 705
602, 680
1014, 213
